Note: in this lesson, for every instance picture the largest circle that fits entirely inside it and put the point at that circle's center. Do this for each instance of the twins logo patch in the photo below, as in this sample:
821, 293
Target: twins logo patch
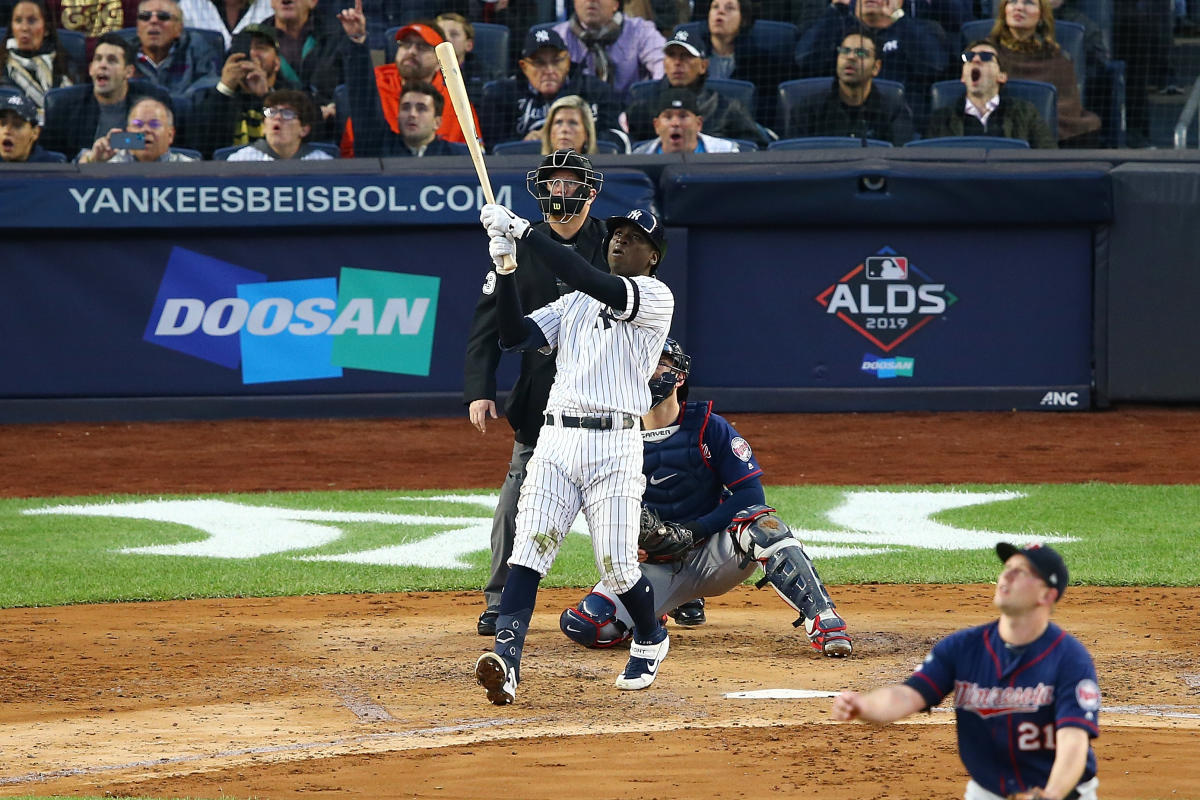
740, 448
1087, 694
489, 283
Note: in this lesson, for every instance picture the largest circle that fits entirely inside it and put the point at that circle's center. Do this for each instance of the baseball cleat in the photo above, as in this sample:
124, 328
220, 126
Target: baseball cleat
828, 634
498, 677
644, 660
690, 614
487, 622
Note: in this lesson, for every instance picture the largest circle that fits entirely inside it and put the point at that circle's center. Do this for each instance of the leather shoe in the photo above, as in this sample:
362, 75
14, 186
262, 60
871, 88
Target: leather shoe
487, 622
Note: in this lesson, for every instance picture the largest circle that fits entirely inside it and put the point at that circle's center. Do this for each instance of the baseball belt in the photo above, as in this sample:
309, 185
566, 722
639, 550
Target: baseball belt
599, 423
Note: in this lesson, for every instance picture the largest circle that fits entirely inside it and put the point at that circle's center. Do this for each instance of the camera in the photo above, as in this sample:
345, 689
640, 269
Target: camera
127, 140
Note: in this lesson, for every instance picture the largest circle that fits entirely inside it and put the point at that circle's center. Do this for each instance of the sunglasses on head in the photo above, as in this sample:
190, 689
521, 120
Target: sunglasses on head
857, 52
984, 55
161, 16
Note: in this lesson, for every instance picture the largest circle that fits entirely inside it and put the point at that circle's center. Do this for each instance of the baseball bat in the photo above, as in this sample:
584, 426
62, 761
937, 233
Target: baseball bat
448, 60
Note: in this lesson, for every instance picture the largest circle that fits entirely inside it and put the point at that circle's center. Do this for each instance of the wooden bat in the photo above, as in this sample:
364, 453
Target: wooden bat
448, 60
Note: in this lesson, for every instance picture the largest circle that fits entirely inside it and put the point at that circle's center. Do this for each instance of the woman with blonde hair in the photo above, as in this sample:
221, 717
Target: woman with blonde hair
569, 126
1024, 37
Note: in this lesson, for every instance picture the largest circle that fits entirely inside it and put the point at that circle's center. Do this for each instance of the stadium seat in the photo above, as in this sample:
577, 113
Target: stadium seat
824, 142
984, 142
793, 92
223, 153
1043, 96
187, 151
517, 146
75, 44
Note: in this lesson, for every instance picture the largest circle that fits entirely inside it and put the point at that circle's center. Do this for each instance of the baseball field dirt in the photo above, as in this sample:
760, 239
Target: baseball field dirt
373, 695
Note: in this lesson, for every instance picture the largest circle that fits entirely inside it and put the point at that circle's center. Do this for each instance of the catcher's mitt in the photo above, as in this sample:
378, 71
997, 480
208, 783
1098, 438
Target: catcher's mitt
662, 541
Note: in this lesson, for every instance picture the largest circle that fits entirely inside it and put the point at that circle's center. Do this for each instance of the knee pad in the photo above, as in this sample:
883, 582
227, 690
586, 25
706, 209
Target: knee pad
593, 623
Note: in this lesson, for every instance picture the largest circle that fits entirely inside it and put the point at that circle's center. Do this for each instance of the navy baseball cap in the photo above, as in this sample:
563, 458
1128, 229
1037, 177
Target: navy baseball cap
648, 222
689, 42
537, 38
1046, 561
20, 105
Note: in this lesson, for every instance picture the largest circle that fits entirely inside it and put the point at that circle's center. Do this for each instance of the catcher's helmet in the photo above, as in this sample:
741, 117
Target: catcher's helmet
572, 194
681, 364
650, 224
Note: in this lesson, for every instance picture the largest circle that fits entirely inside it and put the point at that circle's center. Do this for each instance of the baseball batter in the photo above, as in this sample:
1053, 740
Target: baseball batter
702, 476
609, 334
1025, 694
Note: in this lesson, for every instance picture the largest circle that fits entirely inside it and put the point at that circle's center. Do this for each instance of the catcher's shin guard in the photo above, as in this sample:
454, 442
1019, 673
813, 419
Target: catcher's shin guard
763, 537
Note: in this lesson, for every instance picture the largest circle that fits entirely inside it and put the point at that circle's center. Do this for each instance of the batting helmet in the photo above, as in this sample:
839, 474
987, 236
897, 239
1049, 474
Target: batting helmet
573, 194
650, 224
681, 364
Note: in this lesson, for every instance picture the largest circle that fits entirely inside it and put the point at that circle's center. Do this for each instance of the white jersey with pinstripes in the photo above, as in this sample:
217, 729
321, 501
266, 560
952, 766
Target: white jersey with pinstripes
605, 357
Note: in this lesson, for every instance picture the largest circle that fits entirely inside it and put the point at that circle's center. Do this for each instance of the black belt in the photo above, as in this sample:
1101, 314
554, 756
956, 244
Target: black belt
605, 423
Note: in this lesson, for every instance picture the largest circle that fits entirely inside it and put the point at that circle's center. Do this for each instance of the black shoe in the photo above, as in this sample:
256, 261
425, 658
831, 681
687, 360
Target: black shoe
690, 614
487, 622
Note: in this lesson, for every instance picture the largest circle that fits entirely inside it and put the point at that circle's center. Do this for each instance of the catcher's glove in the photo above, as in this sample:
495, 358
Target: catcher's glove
662, 541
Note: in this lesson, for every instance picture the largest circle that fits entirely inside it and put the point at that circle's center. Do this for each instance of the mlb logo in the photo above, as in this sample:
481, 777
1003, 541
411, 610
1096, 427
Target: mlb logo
887, 268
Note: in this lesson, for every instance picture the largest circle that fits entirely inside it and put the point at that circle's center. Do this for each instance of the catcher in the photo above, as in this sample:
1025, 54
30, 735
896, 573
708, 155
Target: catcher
705, 526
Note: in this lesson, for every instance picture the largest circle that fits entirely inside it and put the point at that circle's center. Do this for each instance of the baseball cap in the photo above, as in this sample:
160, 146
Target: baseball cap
537, 38
677, 98
1046, 561
648, 222
428, 34
21, 105
693, 44
267, 32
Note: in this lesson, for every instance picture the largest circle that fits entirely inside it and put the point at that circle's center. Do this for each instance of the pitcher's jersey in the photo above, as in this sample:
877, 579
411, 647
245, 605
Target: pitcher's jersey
1009, 703
605, 357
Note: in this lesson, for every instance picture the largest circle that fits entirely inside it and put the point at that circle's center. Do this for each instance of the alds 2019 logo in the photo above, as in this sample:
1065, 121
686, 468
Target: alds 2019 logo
886, 298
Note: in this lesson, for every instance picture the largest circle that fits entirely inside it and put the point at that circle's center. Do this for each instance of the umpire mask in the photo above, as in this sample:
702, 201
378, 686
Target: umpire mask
680, 363
559, 197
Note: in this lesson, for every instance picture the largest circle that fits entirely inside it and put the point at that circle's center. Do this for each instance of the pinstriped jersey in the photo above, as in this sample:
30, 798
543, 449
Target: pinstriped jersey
605, 357
1009, 702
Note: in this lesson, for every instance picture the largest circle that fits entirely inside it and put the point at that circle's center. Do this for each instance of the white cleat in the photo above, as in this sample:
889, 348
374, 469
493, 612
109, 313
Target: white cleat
494, 674
644, 659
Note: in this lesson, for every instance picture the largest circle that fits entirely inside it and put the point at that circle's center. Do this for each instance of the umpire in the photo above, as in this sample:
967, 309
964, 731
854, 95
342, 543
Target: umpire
565, 185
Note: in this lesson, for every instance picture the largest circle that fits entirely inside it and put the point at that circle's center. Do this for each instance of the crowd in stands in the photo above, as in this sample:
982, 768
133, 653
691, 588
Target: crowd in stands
301, 79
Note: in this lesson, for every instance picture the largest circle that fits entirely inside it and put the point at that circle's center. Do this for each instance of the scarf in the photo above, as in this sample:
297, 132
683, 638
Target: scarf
597, 43
34, 75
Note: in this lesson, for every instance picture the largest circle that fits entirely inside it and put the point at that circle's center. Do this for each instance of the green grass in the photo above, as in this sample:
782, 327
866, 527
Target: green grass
1126, 535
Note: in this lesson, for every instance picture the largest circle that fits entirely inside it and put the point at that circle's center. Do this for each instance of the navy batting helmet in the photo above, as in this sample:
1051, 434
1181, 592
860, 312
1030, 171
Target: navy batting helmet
573, 195
650, 224
681, 364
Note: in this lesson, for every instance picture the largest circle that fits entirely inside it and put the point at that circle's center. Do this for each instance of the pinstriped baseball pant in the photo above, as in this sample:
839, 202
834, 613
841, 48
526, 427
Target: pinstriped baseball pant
596, 471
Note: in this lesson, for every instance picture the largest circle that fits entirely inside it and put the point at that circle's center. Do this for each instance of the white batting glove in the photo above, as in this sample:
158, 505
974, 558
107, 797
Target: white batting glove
500, 246
498, 220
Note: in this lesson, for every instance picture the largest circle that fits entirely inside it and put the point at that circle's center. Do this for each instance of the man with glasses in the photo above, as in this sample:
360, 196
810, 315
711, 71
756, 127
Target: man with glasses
156, 124
288, 116
851, 107
516, 108
167, 54
988, 110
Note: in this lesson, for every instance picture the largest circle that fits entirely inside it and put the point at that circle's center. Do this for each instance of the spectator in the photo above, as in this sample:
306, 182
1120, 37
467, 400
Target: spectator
168, 55
685, 66
948, 14
415, 61
678, 125
851, 107
89, 112
226, 17
232, 111
1024, 39
309, 50
516, 108
155, 122
732, 54
33, 60
569, 126
19, 131
461, 33
618, 50
289, 118
914, 51
665, 14
988, 110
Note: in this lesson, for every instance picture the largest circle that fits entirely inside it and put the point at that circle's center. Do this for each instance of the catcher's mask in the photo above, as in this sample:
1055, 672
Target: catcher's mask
662, 385
560, 198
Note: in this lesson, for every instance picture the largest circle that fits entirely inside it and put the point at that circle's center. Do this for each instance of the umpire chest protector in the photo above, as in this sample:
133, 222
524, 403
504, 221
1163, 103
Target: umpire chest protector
680, 483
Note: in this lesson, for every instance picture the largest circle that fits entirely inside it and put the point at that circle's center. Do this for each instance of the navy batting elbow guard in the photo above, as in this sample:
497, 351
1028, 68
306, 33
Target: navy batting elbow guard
593, 623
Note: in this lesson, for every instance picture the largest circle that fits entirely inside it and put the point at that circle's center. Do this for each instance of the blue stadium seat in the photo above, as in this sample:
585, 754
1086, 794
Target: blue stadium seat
223, 153
824, 142
517, 146
984, 142
187, 151
1043, 96
793, 92
75, 44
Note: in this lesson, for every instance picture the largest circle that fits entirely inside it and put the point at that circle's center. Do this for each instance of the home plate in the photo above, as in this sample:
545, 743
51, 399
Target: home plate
778, 694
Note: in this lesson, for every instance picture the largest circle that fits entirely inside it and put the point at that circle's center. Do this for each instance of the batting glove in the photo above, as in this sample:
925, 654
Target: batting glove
498, 220
500, 246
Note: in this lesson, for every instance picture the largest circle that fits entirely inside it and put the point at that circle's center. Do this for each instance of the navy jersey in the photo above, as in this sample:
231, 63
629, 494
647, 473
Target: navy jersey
691, 467
1009, 703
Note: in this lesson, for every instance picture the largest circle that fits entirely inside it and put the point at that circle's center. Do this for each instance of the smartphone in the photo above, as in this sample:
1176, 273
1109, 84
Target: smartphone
125, 140
240, 44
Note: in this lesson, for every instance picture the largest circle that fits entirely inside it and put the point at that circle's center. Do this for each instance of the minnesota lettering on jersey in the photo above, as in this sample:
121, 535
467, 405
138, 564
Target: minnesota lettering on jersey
995, 701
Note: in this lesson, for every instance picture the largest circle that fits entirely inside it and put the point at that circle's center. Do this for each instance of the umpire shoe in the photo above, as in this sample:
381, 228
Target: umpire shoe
645, 655
487, 622
828, 634
690, 614
496, 675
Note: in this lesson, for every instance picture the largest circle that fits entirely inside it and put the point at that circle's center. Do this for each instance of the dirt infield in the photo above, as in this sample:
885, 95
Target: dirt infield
372, 696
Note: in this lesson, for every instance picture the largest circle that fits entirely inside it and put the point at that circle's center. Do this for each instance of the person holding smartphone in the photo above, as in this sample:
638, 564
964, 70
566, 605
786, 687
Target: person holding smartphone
148, 134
